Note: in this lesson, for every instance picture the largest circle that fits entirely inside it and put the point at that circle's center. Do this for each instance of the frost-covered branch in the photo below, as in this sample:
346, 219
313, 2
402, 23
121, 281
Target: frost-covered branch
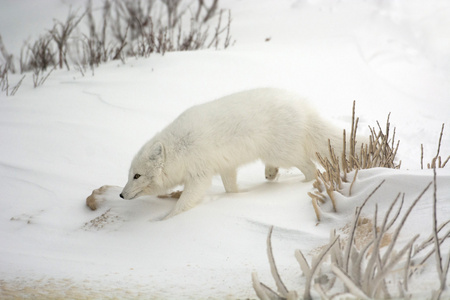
442, 268
365, 272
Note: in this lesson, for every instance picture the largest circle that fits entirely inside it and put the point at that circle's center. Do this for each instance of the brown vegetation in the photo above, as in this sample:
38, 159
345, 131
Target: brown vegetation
380, 152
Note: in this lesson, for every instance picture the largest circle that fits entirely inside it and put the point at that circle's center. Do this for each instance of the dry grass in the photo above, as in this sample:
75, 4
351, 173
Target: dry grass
101, 221
6, 66
124, 29
4, 83
365, 271
380, 152
437, 161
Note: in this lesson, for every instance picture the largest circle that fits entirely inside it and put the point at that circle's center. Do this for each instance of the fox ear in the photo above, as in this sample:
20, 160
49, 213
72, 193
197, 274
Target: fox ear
157, 152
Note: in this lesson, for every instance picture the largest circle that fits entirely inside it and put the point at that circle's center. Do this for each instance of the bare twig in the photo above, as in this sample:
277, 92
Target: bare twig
317, 261
8, 58
61, 33
4, 83
421, 156
440, 140
353, 182
402, 222
442, 270
273, 267
353, 288
436, 161
262, 291
16, 87
39, 78
353, 230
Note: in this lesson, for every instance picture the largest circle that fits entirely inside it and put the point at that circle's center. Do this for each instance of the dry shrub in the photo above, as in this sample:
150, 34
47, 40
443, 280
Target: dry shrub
380, 152
6, 59
61, 32
436, 162
39, 55
141, 28
356, 260
4, 82
365, 271
125, 28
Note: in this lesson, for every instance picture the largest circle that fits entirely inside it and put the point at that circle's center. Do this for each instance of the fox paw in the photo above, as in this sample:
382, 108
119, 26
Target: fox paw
271, 173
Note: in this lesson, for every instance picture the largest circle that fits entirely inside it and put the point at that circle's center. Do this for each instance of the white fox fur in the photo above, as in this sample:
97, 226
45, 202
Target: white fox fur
217, 137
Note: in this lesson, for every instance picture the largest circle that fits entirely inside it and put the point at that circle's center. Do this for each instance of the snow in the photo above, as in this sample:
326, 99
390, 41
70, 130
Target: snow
76, 133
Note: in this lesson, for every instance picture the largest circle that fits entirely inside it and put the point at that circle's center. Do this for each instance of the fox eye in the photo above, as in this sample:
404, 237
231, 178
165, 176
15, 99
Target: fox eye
136, 176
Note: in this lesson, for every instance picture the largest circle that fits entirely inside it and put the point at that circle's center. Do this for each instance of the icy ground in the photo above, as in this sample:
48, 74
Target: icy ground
74, 134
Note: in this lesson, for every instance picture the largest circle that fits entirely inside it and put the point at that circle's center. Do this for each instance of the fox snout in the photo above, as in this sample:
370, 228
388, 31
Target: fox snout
126, 196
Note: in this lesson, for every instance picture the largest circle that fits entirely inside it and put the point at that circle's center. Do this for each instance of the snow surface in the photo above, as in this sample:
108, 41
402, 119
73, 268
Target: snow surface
74, 134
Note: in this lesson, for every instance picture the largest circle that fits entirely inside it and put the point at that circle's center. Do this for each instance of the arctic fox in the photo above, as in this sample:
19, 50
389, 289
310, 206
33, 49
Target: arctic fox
217, 137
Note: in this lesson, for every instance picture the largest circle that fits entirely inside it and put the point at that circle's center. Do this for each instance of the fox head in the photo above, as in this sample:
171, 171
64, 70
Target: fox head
145, 175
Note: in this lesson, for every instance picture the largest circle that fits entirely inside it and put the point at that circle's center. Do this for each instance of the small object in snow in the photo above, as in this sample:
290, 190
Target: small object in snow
91, 200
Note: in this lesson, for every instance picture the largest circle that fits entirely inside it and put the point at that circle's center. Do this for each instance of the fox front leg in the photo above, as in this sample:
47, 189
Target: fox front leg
191, 196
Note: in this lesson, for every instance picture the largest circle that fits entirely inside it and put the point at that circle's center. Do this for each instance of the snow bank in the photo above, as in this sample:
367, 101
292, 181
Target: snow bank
75, 134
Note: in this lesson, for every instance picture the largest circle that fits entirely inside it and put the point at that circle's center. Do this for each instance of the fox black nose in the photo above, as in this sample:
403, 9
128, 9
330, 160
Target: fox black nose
121, 196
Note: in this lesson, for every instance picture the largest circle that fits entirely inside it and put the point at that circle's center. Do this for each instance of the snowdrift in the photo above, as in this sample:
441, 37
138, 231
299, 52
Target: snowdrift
77, 133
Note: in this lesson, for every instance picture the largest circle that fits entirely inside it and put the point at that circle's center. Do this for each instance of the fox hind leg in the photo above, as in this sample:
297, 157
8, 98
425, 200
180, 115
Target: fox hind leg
308, 169
271, 172
229, 179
